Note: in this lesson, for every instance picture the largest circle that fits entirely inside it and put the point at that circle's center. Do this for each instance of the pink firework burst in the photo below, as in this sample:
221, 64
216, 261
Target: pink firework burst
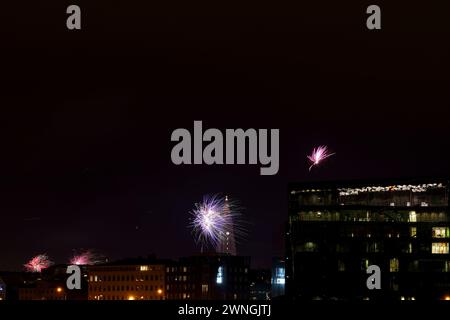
38, 263
318, 154
87, 257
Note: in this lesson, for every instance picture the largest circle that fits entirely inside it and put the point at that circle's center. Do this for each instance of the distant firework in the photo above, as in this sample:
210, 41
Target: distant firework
213, 219
318, 154
87, 257
38, 263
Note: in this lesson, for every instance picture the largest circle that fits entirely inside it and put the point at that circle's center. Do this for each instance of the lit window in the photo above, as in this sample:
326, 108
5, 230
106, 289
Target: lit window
413, 232
394, 265
440, 232
364, 264
412, 216
409, 248
204, 288
308, 247
280, 276
440, 248
219, 278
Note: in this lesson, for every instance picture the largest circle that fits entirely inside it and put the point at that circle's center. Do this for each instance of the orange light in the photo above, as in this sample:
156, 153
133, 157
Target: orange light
159, 291
447, 298
59, 289
131, 298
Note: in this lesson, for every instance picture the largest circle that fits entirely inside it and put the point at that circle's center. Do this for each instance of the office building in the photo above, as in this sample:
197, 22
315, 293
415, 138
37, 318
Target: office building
336, 230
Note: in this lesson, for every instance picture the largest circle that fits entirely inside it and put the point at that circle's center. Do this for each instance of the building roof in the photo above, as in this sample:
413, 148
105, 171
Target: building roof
335, 184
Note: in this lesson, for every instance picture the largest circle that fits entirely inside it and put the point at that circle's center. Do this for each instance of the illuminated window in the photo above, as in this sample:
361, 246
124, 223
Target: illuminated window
412, 216
447, 266
413, 232
440, 232
219, 278
439, 248
280, 276
364, 264
394, 265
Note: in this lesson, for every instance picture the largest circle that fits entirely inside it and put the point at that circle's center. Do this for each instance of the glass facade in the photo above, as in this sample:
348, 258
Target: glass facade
336, 230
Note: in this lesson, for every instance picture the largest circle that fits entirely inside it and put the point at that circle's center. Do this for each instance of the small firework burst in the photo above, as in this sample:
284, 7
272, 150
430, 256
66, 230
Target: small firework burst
38, 263
87, 257
318, 154
214, 219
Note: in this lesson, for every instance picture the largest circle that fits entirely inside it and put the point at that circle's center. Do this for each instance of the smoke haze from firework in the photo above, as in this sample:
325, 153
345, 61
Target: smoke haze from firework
209, 223
87, 257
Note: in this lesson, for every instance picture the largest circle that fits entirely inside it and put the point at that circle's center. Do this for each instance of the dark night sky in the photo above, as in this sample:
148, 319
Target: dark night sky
86, 116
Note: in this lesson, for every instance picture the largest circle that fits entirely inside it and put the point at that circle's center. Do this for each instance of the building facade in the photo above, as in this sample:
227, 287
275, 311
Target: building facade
50, 284
209, 277
336, 230
44, 290
137, 279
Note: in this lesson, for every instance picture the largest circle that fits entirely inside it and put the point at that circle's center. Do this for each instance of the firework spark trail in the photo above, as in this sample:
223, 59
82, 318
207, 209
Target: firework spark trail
318, 154
209, 223
38, 263
87, 257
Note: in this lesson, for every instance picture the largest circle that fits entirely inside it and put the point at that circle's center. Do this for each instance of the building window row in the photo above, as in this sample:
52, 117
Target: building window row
98, 278
124, 288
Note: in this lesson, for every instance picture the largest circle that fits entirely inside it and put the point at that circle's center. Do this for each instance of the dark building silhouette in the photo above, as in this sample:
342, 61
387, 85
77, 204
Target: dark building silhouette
260, 284
227, 241
208, 277
337, 229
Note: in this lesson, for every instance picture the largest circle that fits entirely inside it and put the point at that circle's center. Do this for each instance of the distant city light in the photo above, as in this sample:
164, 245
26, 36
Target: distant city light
280, 276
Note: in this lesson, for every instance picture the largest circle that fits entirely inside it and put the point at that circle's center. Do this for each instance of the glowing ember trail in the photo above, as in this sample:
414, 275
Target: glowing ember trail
38, 263
84, 258
318, 154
